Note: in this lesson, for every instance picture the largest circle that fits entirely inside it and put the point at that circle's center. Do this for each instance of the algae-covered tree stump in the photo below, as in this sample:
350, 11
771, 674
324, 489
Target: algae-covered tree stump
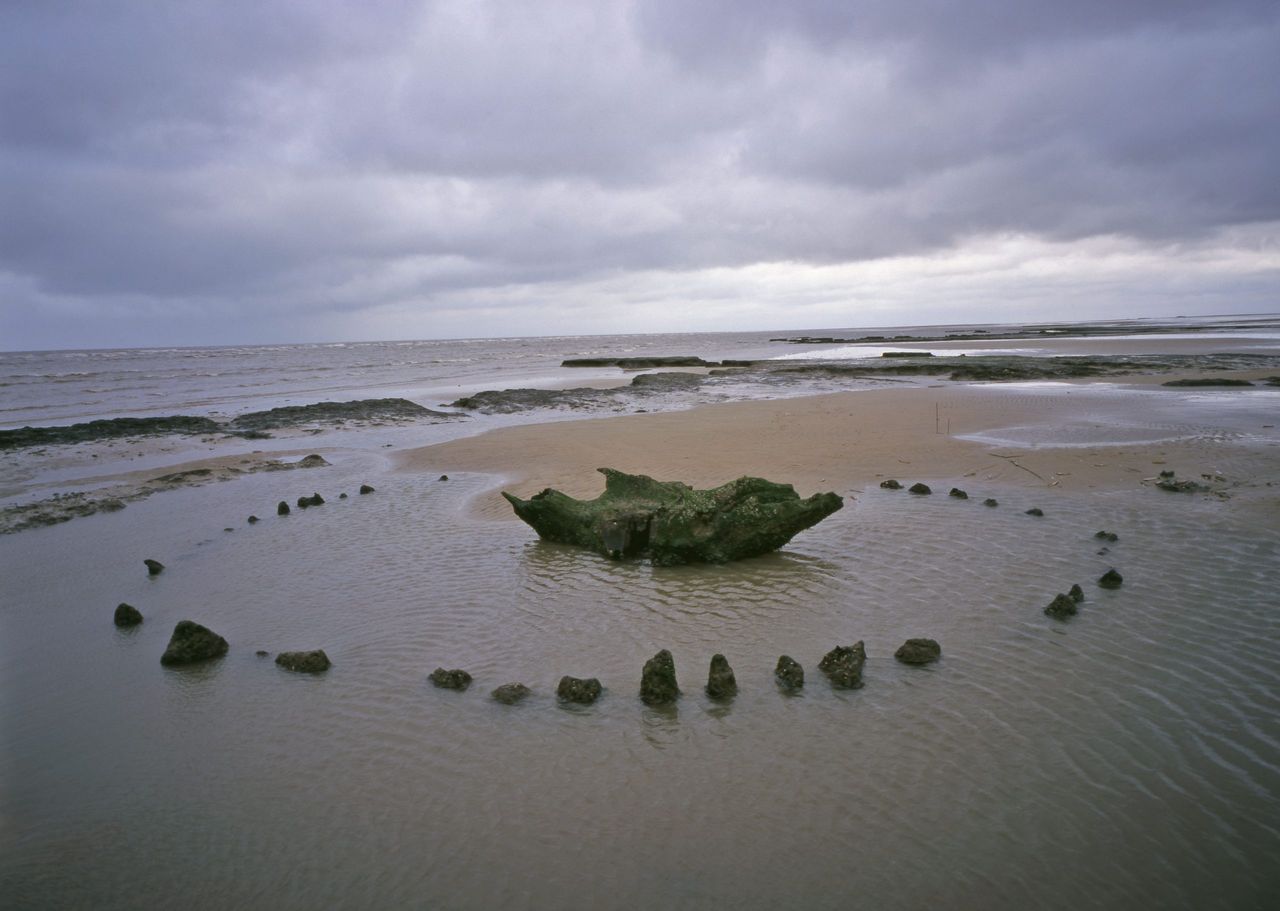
671, 523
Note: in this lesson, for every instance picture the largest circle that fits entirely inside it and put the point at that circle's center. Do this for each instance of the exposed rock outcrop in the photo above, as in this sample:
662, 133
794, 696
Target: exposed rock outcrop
312, 662
1061, 607
991, 501
661, 382
455, 679
282, 508
62, 507
958, 494
891, 484
789, 673
721, 684
1173, 485
843, 665
365, 488
918, 651
579, 690
127, 615
1109, 536
671, 523
510, 693
108, 429
154, 567
192, 642
250, 426
1076, 594
920, 488
1111, 579
658, 680
363, 411
511, 401
1035, 511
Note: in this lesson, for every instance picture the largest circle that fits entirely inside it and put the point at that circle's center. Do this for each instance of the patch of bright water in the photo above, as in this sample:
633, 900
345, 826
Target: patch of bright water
1125, 758
1112, 414
1241, 340
859, 352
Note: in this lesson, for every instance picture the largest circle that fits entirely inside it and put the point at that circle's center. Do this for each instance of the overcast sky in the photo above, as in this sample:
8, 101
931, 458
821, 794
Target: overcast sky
248, 171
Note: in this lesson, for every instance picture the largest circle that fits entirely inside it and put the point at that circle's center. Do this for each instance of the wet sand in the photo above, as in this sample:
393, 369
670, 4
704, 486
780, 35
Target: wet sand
112, 492
1067, 436
1077, 435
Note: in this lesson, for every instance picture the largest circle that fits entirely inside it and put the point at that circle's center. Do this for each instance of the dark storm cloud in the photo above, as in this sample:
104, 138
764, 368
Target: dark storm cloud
210, 155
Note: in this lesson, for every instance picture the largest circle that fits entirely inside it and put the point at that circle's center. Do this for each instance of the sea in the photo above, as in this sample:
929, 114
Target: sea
1129, 757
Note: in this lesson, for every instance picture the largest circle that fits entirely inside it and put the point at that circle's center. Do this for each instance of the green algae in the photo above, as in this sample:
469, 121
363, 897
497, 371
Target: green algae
671, 523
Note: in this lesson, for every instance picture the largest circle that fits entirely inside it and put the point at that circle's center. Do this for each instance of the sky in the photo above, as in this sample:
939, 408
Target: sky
261, 171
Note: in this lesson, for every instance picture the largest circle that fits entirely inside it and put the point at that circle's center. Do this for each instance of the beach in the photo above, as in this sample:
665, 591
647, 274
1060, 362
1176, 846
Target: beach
637, 454
1071, 437
1122, 756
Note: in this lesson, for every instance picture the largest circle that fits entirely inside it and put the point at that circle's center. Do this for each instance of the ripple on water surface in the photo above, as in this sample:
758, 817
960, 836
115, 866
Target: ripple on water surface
1126, 756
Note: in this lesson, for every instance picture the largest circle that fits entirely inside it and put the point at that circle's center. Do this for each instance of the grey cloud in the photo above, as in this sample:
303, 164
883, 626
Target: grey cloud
936, 33
179, 79
295, 152
1179, 117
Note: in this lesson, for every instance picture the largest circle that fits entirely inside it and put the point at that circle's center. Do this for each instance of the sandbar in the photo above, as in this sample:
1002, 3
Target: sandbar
1075, 436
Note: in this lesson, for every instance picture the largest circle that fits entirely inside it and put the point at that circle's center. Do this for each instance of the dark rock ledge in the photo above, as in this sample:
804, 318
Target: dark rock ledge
253, 424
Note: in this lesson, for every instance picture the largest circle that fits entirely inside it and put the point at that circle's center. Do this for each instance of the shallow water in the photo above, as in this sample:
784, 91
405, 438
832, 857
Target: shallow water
1125, 758
63, 387
43, 388
1113, 414
1260, 340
